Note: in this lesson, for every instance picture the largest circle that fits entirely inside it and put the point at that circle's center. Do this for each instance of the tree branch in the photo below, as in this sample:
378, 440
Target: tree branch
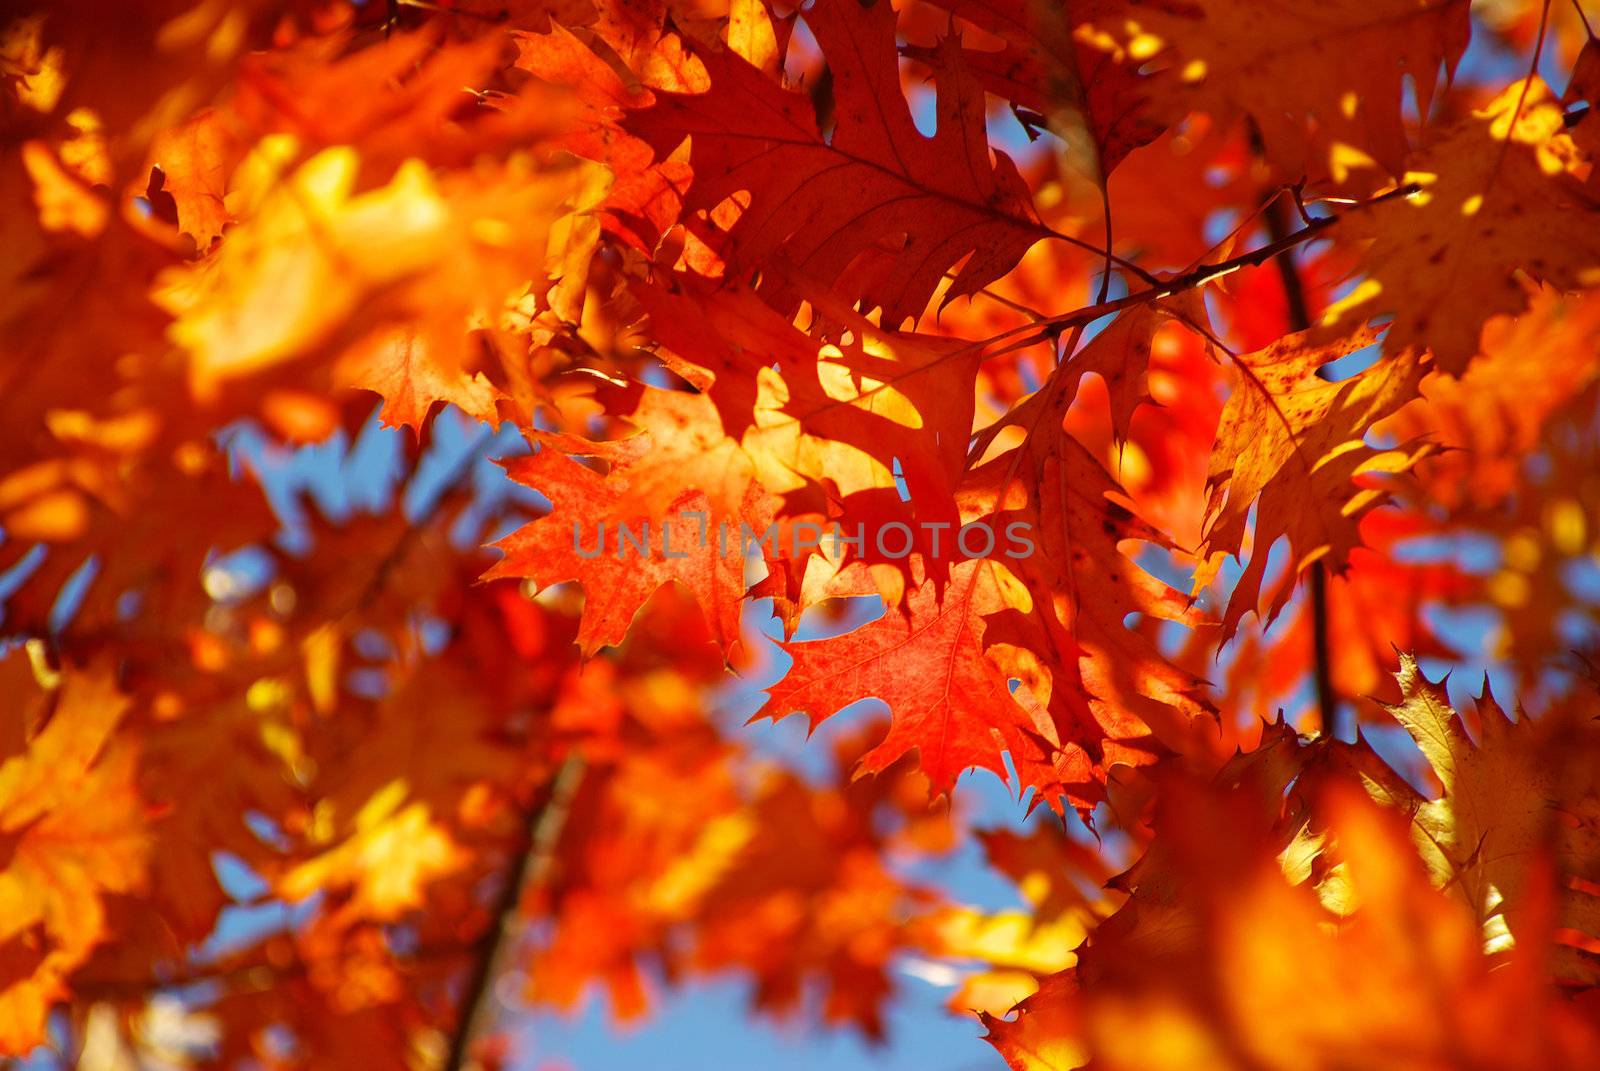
528, 869
1200, 276
1299, 317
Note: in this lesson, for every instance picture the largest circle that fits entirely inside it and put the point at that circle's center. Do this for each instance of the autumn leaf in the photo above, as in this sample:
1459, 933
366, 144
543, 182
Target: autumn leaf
1291, 71
1112, 698
875, 182
1495, 198
1290, 445
949, 702
1530, 368
194, 162
1056, 79
1522, 793
1377, 604
393, 850
678, 504
941, 667
74, 834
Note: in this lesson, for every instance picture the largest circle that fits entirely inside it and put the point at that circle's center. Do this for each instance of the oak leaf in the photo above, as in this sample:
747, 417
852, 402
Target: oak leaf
1496, 199
949, 702
1050, 616
1112, 697
679, 503
875, 181
1055, 78
1290, 444
194, 161
1290, 70
1531, 368
394, 849
73, 830
1525, 790
645, 198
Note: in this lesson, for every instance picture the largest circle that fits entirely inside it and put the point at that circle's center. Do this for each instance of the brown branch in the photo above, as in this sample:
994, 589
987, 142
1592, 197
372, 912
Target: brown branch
1299, 315
1329, 709
531, 860
1206, 273
528, 870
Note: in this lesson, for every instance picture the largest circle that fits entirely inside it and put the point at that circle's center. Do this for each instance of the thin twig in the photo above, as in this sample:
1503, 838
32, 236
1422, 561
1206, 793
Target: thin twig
1578, 6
